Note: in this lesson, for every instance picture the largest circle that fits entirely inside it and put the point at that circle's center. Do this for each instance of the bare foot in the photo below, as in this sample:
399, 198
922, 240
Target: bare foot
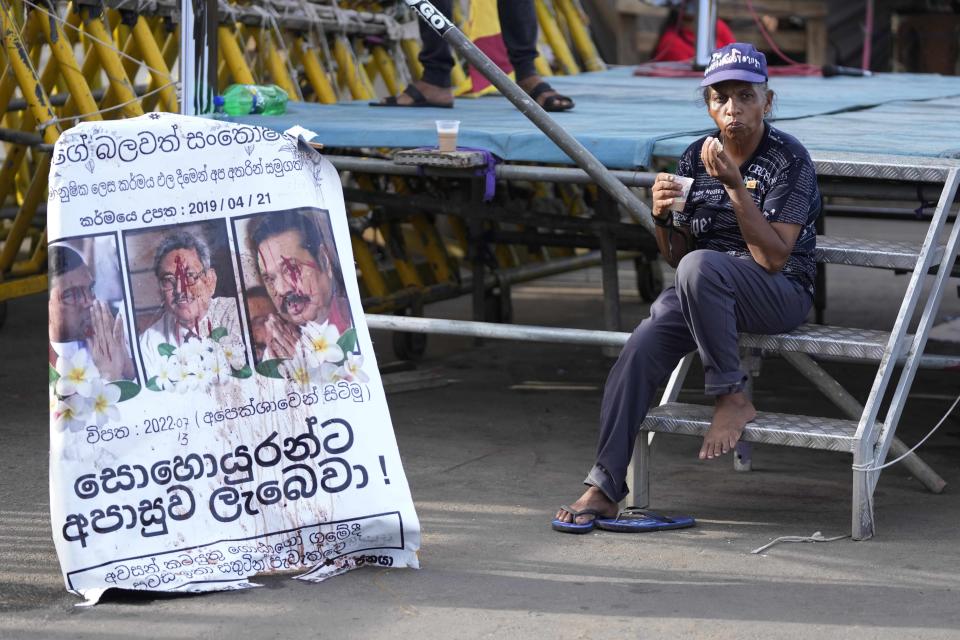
433, 94
592, 498
730, 415
559, 102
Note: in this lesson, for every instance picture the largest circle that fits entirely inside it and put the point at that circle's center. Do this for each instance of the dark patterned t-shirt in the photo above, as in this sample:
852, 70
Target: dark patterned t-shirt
780, 177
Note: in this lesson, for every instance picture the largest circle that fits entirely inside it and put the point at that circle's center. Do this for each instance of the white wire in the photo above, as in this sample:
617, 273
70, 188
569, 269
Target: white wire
816, 537
867, 467
106, 109
43, 125
7, 9
87, 35
269, 19
317, 35
22, 28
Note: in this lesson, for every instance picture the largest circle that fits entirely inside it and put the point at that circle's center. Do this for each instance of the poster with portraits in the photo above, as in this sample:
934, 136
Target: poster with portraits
216, 411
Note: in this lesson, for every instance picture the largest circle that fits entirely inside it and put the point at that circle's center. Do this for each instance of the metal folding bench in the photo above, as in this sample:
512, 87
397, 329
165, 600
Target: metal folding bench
863, 435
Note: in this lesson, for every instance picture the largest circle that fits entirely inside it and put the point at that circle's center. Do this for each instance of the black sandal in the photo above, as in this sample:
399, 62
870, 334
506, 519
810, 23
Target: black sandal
419, 100
551, 103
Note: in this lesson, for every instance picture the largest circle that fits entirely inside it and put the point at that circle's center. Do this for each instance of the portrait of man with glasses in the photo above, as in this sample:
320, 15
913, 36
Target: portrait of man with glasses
186, 281
80, 322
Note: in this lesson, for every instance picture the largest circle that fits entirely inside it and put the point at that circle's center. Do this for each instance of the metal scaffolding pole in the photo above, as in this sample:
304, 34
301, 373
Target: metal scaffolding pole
706, 32
533, 111
198, 56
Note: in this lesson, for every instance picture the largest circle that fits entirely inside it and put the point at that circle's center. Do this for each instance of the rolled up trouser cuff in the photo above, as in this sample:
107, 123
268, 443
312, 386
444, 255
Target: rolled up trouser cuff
437, 77
600, 478
723, 384
524, 70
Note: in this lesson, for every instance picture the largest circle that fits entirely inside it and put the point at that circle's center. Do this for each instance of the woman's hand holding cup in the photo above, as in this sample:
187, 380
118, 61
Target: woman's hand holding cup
669, 194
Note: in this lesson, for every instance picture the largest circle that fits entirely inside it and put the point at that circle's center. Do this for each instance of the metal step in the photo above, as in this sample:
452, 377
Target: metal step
809, 432
880, 254
819, 339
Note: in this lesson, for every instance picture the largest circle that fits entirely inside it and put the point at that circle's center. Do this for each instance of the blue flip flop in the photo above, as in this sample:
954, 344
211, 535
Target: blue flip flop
575, 527
636, 520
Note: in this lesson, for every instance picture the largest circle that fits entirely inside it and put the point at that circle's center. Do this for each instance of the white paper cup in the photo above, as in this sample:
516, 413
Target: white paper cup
680, 202
447, 131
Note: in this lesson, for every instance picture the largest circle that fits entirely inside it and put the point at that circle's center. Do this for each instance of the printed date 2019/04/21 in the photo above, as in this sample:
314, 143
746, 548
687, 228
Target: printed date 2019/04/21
228, 203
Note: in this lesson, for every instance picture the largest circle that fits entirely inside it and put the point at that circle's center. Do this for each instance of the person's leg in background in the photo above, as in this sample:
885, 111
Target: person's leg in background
435, 55
434, 87
518, 25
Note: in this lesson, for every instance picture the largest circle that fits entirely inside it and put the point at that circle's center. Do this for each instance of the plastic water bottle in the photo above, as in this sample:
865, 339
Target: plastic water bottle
243, 99
218, 112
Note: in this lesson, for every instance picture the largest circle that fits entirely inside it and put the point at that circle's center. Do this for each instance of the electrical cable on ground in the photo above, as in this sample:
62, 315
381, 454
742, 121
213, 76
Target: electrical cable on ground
816, 537
868, 467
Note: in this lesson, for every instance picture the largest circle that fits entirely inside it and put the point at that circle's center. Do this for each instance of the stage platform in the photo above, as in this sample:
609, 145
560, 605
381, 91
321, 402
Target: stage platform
627, 120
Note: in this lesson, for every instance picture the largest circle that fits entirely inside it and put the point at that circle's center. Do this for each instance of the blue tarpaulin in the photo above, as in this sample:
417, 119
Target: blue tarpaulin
624, 120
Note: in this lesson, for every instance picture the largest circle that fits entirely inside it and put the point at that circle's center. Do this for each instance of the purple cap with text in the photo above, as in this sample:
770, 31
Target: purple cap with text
736, 61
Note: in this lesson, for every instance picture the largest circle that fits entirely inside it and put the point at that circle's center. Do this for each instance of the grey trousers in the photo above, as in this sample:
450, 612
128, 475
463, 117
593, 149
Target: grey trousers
715, 298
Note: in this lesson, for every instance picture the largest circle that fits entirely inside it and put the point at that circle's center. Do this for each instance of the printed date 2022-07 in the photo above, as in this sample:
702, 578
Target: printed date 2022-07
96, 434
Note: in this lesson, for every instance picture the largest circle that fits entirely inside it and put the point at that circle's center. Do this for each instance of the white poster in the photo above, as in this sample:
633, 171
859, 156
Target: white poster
215, 405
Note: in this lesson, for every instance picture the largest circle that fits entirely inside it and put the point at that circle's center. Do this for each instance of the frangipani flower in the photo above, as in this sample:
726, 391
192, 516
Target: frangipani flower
76, 374
219, 370
330, 372
179, 370
201, 378
168, 373
192, 353
103, 401
72, 412
321, 341
300, 369
353, 368
233, 351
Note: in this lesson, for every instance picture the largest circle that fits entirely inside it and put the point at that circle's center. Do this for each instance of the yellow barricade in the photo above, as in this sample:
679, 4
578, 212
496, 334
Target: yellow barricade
64, 63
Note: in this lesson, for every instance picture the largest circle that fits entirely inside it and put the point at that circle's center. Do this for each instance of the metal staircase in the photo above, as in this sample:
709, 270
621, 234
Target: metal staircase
863, 435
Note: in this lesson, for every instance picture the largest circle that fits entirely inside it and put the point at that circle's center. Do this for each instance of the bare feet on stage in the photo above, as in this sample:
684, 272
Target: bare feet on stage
730, 415
592, 498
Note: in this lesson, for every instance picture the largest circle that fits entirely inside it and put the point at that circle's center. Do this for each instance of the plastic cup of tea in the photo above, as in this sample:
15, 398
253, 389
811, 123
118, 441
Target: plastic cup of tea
685, 183
447, 131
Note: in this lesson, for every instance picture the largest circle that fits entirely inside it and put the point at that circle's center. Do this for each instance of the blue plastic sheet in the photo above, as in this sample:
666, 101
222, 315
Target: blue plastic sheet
624, 120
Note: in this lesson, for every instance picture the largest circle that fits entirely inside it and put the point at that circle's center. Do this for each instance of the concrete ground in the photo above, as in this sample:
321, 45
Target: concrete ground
493, 454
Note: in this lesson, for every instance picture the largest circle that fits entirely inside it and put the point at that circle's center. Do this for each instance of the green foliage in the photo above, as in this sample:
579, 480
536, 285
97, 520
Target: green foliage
245, 372
128, 389
348, 341
270, 368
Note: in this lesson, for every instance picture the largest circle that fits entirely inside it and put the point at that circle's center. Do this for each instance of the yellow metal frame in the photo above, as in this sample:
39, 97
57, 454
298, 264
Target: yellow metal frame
100, 53
554, 38
233, 56
577, 26
313, 69
161, 78
110, 61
